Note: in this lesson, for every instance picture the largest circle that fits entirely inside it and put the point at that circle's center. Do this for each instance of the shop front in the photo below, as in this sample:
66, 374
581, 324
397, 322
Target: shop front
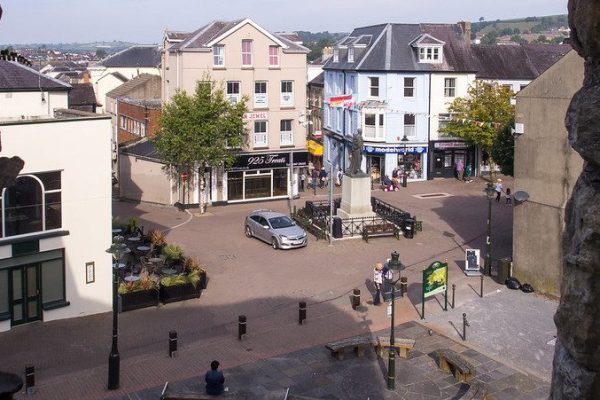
393, 159
446, 154
264, 176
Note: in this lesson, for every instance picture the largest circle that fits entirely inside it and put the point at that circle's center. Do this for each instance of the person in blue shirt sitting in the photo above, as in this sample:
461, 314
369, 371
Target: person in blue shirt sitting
214, 380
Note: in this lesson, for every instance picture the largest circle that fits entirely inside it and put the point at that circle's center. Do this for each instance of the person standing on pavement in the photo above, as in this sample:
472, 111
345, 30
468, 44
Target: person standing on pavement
322, 178
460, 170
302, 179
314, 176
386, 275
498, 189
214, 380
378, 281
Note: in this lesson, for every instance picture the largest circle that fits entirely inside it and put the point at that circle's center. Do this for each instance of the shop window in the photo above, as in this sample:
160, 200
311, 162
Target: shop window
280, 182
235, 185
3, 293
53, 282
33, 204
411, 163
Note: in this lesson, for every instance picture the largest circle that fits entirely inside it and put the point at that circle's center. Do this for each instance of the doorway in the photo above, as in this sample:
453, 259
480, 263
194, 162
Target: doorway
374, 168
24, 298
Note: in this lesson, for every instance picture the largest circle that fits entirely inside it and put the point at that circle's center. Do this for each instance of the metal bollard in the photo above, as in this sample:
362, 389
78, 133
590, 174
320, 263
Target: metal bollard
481, 287
465, 324
241, 326
355, 299
302, 312
29, 379
403, 286
172, 344
453, 290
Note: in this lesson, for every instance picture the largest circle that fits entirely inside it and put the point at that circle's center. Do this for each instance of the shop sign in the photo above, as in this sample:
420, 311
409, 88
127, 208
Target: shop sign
251, 116
268, 161
395, 149
450, 145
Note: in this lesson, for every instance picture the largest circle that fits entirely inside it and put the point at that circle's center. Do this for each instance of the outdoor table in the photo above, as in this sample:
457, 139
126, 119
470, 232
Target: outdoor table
169, 271
143, 248
134, 239
131, 278
9, 384
116, 230
121, 265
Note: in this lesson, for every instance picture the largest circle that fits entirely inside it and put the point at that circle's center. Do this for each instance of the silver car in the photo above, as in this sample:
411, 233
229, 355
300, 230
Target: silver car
275, 228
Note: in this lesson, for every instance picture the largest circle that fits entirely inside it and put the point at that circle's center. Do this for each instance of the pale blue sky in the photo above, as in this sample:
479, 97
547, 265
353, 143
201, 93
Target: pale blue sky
143, 21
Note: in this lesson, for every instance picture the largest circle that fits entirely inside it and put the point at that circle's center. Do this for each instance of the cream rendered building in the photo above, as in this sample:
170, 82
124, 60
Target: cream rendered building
271, 71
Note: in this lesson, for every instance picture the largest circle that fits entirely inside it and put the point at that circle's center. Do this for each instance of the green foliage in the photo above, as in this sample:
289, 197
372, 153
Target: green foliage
486, 111
172, 252
201, 129
174, 280
132, 225
541, 39
490, 38
517, 39
130, 287
503, 151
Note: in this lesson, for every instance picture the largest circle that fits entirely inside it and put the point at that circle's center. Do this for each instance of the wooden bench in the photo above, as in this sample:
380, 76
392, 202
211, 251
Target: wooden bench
451, 361
172, 395
476, 392
358, 343
402, 346
383, 229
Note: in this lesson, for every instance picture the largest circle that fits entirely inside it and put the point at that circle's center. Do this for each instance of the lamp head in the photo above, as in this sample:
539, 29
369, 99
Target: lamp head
489, 190
394, 264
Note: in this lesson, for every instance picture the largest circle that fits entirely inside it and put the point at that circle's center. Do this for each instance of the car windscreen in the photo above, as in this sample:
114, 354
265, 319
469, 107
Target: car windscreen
281, 222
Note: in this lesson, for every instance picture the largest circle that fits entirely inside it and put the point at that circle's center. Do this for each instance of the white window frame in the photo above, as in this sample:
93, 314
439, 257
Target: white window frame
410, 130
219, 56
336, 55
261, 99
449, 87
376, 132
286, 136
287, 96
374, 87
430, 54
350, 54
274, 58
411, 87
233, 96
247, 53
260, 138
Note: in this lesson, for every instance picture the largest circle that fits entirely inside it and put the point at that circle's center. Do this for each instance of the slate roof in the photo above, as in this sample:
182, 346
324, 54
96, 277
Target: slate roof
136, 56
144, 149
16, 77
524, 62
200, 38
391, 50
173, 36
140, 80
318, 80
82, 94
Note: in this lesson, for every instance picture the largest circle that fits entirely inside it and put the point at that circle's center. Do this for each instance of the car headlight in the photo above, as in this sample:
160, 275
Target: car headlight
283, 237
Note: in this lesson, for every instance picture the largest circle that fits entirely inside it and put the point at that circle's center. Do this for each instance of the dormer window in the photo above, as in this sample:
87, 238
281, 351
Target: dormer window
351, 54
336, 55
430, 54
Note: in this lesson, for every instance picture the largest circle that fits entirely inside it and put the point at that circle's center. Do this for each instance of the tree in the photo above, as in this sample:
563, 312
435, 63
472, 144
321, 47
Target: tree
481, 116
481, 19
200, 131
503, 151
490, 38
100, 54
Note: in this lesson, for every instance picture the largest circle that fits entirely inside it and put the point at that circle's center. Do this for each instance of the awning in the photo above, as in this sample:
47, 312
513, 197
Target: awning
314, 148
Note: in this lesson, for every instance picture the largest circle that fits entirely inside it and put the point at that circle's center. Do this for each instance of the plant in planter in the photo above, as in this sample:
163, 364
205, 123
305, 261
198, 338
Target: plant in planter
180, 287
193, 268
157, 240
140, 294
133, 227
173, 254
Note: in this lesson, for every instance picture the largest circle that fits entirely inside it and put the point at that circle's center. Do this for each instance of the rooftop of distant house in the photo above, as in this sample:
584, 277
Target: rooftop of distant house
138, 56
17, 77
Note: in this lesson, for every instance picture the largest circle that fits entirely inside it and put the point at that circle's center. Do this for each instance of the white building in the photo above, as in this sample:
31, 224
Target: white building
55, 216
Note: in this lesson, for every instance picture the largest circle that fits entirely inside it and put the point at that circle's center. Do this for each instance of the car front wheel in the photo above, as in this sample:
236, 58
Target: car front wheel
248, 232
274, 243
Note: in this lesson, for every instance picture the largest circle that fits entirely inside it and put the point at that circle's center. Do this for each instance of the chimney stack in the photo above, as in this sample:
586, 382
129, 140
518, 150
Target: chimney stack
465, 27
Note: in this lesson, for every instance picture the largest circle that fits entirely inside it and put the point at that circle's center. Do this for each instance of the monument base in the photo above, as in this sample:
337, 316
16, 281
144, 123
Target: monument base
356, 197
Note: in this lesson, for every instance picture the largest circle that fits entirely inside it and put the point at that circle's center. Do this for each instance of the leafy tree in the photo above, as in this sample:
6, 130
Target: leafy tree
503, 151
200, 130
481, 116
541, 39
100, 54
517, 39
481, 19
490, 38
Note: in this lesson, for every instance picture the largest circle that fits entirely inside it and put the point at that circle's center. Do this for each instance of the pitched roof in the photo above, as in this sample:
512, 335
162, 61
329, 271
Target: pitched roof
523, 62
318, 80
82, 94
135, 56
203, 37
173, 36
143, 149
16, 77
391, 48
148, 80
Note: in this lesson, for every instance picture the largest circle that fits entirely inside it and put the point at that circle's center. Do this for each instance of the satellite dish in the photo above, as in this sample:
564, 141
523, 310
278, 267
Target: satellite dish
521, 196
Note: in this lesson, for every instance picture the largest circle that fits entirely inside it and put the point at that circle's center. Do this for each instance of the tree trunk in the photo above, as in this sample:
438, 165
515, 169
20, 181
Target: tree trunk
201, 187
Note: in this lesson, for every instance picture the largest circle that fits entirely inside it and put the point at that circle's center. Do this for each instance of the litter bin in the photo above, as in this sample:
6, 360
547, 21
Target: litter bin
337, 228
503, 269
409, 228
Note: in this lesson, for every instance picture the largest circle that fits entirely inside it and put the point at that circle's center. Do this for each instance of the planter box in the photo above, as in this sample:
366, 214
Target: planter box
170, 294
139, 299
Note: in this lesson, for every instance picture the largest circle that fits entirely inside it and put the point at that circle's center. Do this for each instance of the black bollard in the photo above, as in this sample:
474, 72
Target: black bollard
241, 326
403, 286
465, 324
302, 312
481, 287
172, 344
453, 290
355, 299
29, 379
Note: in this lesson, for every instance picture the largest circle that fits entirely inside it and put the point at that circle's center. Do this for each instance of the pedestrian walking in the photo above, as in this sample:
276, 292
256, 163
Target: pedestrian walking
508, 197
460, 169
302, 179
322, 178
468, 173
314, 176
215, 381
378, 281
338, 177
498, 189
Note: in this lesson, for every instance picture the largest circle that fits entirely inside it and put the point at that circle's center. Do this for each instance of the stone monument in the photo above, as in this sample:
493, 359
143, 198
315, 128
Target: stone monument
576, 366
356, 185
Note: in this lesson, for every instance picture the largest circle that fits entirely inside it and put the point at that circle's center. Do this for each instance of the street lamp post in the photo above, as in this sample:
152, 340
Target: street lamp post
404, 177
489, 192
396, 267
118, 249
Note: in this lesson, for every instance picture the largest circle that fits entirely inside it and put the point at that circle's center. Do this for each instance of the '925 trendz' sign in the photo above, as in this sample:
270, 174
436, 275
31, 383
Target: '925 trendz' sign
268, 160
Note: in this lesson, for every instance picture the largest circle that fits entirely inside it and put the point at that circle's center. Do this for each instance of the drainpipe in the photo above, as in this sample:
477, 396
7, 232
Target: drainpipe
429, 151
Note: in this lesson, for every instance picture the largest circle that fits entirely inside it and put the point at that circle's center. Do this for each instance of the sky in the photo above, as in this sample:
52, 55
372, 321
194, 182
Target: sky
144, 21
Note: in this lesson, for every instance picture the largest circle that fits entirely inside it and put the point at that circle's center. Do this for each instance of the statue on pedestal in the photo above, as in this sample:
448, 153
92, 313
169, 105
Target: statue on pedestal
356, 155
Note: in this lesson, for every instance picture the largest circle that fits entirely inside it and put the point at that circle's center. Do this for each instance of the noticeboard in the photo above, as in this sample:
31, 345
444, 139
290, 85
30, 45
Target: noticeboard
435, 280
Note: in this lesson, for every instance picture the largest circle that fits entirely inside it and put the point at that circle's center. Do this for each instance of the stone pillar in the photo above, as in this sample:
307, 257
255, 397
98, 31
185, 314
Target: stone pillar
576, 373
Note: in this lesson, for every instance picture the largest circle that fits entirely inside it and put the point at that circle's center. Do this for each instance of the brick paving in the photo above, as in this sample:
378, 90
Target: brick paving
247, 277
